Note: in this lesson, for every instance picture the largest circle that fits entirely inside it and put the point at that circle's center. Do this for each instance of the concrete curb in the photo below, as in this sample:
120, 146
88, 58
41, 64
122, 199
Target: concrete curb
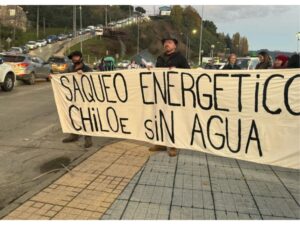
20, 200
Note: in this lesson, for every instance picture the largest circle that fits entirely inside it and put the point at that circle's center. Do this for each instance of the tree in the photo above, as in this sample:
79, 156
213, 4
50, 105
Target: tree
126, 8
140, 10
228, 42
177, 16
191, 18
210, 26
236, 43
244, 46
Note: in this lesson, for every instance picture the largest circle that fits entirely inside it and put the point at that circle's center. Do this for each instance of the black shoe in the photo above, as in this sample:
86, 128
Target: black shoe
88, 142
71, 138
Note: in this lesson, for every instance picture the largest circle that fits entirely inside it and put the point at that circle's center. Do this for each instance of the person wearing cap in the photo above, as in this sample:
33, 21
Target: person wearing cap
280, 61
171, 58
79, 67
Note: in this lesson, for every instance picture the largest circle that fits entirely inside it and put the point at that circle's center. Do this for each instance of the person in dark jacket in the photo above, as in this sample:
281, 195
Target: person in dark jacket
79, 67
264, 61
231, 65
171, 58
294, 61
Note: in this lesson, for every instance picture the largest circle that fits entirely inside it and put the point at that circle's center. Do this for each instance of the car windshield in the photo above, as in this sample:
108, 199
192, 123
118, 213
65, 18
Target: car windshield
243, 63
56, 60
31, 42
13, 58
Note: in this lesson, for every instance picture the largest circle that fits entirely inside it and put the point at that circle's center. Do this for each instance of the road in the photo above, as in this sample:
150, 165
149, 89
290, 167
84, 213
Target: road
30, 138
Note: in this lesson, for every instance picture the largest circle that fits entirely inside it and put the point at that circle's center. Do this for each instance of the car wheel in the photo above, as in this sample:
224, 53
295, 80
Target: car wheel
31, 80
9, 83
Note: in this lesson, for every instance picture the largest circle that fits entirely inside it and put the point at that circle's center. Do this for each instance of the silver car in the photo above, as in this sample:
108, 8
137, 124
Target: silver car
27, 68
31, 45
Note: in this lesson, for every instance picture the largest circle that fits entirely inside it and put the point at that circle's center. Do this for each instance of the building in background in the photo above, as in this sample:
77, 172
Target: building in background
165, 11
13, 16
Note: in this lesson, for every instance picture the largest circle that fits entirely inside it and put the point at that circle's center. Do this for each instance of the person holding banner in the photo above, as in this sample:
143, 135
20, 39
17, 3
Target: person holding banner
231, 65
265, 61
294, 61
79, 67
171, 59
281, 61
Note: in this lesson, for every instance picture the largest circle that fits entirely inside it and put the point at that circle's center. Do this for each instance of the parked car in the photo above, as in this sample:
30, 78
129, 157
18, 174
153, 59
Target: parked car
70, 35
62, 37
123, 64
247, 63
31, 45
41, 43
27, 68
7, 76
25, 49
51, 39
16, 50
59, 64
91, 27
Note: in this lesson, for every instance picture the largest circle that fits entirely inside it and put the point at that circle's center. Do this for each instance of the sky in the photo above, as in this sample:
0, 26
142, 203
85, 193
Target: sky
266, 24
272, 27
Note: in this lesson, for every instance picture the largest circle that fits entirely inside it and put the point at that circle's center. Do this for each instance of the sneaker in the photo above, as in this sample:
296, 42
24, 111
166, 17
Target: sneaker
71, 138
156, 148
88, 141
172, 152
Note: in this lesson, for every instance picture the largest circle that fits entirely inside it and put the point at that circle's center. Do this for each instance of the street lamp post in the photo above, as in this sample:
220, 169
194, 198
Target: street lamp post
194, 31
80, 14
37, 21
298, 39
212, 51
74, 21
188, 43
138, 35
106, 16
200, 44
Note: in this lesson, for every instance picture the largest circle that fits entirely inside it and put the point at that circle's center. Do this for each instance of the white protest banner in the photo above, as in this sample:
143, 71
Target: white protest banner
248, 115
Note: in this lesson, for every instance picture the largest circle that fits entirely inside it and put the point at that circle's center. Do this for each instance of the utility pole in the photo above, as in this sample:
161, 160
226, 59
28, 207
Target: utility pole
80, 14
37, 21
15, 25
0, 36
106, 16
200, 44
44, 26
186, 46
129, 11
74, 21
138, 36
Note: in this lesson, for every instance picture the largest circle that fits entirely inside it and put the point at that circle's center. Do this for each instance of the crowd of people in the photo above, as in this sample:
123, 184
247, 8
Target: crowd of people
281, 61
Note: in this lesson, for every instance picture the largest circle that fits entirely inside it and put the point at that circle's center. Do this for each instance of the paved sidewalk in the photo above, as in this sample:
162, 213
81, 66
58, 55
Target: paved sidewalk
123, 181
195, 185
90, 188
